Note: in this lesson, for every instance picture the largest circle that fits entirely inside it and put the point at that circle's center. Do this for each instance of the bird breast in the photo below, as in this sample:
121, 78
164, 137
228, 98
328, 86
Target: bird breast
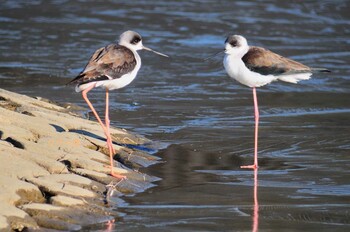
124, 80
237, 70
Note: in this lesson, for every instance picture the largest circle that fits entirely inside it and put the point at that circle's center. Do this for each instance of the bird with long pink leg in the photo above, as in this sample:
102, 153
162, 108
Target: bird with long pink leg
111, 67
255, 67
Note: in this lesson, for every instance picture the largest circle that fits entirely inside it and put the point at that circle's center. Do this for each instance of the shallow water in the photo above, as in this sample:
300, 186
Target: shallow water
205, 119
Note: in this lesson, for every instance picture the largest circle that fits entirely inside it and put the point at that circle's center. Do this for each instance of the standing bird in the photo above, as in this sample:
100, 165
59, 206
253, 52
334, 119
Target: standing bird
255, 67
111, 67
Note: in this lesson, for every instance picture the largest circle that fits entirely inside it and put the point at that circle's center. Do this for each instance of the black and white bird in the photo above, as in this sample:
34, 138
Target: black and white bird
111, 67
255, 67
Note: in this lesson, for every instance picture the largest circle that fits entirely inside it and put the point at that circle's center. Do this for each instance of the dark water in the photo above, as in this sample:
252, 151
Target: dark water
204, 117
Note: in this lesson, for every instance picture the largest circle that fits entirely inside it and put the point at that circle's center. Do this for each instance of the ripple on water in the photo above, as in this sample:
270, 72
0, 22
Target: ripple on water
205, 116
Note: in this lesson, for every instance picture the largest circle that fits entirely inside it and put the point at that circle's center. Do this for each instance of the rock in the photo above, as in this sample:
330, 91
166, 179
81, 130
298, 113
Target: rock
66, 201
54, 165
13, 193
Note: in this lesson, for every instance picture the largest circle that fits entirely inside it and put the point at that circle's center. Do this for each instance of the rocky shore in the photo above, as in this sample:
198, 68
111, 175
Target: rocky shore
54, 166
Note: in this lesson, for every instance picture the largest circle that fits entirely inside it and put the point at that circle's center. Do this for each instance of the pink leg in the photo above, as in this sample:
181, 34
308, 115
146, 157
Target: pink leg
84, 93
107, 121
109, 139
256, 113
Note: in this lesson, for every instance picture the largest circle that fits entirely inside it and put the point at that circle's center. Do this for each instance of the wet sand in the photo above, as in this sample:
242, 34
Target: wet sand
54, 166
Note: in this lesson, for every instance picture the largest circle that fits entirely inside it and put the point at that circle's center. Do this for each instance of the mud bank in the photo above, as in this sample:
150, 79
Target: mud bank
54, 166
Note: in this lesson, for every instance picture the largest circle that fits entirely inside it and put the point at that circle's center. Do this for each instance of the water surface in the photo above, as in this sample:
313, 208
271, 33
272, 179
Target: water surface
205, 119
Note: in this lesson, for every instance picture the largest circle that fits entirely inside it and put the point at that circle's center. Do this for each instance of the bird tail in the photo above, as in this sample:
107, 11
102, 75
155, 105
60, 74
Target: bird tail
299, 75
76, 80
295, 78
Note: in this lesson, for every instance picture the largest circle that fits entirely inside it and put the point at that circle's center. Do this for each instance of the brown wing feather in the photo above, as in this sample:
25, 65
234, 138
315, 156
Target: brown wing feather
110, 62
265, 62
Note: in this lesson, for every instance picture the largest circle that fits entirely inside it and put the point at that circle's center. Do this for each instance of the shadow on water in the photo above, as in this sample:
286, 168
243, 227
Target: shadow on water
201, 193
204, 117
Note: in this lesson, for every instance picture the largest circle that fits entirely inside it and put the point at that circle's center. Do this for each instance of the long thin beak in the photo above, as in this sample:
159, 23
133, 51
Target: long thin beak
212, 56
158, 53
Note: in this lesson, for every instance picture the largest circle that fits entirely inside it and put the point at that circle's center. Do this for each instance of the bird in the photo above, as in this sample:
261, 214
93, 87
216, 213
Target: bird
111, 67
254, 67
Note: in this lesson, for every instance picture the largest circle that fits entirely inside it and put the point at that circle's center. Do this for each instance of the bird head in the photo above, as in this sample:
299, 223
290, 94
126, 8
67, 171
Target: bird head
133, 41
236, 45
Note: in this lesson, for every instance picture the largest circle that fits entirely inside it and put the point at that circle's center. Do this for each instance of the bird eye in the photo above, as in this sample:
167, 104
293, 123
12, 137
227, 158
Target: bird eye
233, 43
135, 40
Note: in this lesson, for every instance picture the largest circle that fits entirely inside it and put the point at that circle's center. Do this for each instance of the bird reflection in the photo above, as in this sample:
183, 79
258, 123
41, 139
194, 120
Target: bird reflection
110, 225
255, 226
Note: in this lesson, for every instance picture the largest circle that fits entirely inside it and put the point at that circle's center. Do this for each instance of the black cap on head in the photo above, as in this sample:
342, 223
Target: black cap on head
232, 39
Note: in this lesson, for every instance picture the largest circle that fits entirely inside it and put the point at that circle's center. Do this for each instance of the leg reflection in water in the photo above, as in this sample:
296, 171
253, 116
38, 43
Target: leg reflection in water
256, 203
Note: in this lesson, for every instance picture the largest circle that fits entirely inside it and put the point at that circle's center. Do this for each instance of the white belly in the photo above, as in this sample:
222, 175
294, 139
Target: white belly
121, 82
236, 69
